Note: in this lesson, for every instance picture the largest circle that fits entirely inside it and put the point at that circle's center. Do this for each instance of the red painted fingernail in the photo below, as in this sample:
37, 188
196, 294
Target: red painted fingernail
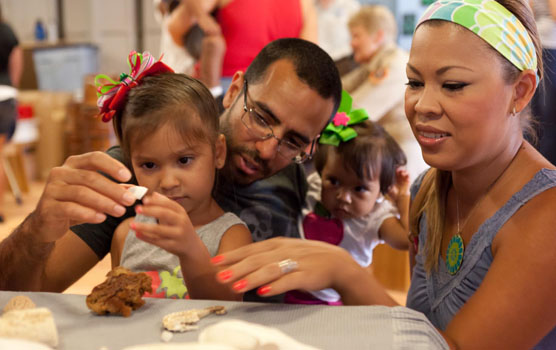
138, 209
239, 285
224, 275
217, 259
264, 290
132, 225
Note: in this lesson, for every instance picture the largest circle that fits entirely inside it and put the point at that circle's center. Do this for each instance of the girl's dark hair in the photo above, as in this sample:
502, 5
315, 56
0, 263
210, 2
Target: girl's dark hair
167, 98
372, 153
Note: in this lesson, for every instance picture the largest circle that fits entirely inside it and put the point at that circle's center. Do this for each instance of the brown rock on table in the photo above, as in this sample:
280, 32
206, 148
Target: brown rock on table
121, 293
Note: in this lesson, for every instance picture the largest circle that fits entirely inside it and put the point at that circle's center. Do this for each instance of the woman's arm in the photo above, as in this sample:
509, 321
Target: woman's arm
309, 30
179, 22
319, 265
200, 10
552, 7
15, 65
515, 305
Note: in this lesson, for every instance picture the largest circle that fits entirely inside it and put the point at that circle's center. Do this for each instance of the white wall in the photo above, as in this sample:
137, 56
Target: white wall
22, 15
113, 30
151, 29
77, 20
407, 8
109, 24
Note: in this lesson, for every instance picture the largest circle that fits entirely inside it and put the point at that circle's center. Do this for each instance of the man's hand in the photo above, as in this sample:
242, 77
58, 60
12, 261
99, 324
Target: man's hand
77, 193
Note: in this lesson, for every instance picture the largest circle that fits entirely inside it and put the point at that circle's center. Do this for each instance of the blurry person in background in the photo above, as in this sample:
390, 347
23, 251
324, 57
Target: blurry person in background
204, 53
544, 102
333, 33
11, 66
378, 85
173, 51
248, 25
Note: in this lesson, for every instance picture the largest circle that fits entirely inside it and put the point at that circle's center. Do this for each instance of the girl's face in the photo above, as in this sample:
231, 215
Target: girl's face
182, 171
456, 99
344, 194
363, 43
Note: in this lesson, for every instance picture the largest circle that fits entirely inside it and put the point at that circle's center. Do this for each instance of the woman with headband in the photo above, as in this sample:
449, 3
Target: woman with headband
482, 218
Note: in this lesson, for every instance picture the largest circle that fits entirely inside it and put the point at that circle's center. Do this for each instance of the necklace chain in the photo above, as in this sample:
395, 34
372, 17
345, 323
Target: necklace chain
483, 196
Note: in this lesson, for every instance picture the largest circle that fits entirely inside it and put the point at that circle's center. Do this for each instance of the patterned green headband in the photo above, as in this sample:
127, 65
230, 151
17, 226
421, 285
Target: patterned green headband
493, 23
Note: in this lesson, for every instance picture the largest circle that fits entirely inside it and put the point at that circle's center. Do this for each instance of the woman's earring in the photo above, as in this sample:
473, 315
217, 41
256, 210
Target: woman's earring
514, 112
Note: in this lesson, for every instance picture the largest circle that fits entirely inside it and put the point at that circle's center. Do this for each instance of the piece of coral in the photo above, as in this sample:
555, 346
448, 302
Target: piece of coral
121, 293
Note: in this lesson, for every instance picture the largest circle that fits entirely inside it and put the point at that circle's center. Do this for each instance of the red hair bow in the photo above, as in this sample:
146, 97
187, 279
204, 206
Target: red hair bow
112, 95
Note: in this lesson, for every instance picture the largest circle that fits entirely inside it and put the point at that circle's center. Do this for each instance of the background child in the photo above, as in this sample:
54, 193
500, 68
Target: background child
167, 126
359, 196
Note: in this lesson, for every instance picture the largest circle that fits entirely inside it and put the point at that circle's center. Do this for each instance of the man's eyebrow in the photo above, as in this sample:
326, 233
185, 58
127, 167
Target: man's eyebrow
265, 108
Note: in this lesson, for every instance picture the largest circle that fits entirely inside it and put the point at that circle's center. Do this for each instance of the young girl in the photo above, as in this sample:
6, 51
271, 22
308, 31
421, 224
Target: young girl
167, 127
358, 166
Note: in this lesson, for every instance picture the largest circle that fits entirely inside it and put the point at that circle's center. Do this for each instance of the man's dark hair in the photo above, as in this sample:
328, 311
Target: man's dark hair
312, 65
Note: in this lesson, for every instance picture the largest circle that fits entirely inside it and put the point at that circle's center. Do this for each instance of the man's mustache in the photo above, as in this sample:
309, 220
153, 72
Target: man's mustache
254, 156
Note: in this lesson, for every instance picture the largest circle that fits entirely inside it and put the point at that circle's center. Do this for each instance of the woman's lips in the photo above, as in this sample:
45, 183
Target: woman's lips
429, 136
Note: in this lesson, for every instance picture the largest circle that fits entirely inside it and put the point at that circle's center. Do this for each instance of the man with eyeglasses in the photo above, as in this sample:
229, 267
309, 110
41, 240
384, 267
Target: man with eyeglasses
273, 115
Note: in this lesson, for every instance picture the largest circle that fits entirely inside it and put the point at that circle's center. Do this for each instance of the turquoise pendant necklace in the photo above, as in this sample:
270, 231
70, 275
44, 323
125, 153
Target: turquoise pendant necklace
454, 253
456, 248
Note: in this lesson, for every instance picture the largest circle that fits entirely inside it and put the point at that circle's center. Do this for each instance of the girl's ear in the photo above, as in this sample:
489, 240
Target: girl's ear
220, 152
524, 89
234, 90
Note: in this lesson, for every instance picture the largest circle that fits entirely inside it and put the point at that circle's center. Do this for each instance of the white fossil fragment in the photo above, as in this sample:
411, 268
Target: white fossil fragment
139, 192
183, 321
166, 336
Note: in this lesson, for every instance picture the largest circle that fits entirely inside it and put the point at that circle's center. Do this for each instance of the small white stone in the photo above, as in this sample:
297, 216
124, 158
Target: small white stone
138, 191
166, 336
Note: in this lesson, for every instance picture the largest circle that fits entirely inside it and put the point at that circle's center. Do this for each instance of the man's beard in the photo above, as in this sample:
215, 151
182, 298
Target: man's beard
233, 148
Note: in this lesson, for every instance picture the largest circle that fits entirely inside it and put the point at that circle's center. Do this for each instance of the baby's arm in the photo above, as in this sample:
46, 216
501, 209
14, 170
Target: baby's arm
394, 231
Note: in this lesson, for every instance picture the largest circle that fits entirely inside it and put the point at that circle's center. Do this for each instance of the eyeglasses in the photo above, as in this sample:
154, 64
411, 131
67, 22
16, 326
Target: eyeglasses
258, 127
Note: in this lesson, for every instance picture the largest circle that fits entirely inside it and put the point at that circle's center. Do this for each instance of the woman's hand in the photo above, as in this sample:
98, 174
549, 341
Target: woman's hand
173, 232
319, 265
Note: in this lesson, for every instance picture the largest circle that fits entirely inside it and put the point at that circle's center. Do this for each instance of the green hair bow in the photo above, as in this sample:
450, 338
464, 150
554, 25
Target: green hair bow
338, 129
